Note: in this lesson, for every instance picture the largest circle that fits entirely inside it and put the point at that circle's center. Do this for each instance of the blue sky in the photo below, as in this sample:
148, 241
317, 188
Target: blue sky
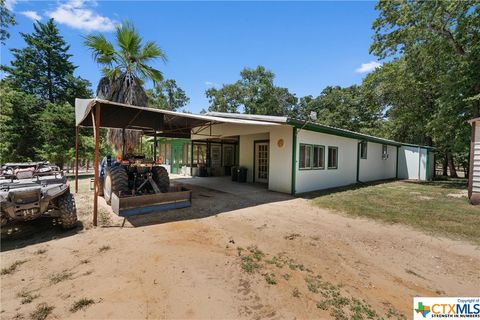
308, 45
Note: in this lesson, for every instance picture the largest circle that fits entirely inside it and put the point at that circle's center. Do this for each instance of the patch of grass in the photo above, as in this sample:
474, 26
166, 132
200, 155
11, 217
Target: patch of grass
81, 304
40, 251
248, 264
41, 312
104, 248
61, 276
270, 279
256, 253
286, 276
239, 251
292, 236
27, 296
296, 293
13, 267
423, 205
394, 313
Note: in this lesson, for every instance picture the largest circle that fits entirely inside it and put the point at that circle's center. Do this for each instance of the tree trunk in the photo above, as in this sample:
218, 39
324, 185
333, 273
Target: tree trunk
445, 165
451, 166
88, 164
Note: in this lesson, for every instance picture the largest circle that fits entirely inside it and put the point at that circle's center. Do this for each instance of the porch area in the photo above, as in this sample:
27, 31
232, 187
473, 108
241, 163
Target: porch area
222, 184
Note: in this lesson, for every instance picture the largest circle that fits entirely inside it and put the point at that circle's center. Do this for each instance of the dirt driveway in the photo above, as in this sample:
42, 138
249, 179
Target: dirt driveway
256, 255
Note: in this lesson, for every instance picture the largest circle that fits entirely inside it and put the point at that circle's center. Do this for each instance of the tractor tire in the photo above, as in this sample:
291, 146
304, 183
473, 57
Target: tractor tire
160, 176
115, 181
68, 210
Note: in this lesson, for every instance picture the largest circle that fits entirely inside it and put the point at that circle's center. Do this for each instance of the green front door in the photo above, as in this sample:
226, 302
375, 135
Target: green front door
177, 157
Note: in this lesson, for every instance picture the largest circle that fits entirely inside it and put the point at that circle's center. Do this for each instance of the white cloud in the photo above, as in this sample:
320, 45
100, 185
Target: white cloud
33, 15
77, 14
368, 67
210, 84
10, 4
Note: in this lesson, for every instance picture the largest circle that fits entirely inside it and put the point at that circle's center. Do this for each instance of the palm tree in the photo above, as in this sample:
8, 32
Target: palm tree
125, 69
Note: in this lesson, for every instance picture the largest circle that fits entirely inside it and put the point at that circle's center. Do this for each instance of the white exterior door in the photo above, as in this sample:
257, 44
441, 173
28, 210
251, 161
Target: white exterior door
261, 162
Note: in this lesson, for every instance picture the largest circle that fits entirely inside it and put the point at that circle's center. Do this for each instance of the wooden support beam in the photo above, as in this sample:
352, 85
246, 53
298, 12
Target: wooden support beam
96, 126
77, 129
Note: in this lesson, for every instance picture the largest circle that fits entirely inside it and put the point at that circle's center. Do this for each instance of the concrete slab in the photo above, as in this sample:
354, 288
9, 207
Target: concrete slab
222, 184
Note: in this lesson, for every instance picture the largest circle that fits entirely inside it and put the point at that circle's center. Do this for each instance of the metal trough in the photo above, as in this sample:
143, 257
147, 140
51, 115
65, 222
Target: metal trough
177, 197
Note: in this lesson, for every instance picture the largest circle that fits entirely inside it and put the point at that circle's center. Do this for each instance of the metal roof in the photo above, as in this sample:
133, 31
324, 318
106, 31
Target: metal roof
168, 123
255, 117
179, 124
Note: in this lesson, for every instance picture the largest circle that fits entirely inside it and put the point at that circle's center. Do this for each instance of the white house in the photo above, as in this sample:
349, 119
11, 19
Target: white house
295, 157
287, 155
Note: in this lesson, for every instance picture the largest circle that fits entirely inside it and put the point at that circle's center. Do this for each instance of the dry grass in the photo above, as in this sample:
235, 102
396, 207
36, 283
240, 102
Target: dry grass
81, 304
13, 267
423, 205
41, 312
59, 277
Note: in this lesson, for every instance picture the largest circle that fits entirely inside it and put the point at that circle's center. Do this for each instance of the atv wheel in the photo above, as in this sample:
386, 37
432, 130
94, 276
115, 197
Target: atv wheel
116, 181
68, 211
160, 176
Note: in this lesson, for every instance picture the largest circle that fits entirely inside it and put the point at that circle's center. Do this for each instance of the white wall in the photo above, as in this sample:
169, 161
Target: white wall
374, 167
246, 151
280, 161
345, 174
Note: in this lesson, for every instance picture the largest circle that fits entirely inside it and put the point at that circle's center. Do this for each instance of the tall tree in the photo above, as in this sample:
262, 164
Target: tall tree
255, 92
124, 71
345, 108
167, 95
7, 19
43, 67
19, 133
440, 42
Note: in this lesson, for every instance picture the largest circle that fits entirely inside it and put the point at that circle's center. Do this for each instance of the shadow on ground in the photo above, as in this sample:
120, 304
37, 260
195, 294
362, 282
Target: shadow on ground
22, 234
208, 202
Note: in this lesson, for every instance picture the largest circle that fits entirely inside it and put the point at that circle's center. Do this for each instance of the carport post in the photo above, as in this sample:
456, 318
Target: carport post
76, 158
96, 132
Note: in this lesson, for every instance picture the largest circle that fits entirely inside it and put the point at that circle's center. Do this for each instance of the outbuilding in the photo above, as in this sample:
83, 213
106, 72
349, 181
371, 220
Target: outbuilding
474, 171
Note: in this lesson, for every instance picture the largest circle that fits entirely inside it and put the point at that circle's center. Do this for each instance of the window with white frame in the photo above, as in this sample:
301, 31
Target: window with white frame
318, 157
305, 156
332, 157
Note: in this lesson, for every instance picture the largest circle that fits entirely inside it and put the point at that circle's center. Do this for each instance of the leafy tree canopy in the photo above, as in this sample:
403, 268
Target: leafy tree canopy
255, 93
167, 95
7, 19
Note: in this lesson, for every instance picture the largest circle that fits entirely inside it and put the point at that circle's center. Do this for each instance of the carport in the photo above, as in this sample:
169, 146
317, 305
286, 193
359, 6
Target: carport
98, 113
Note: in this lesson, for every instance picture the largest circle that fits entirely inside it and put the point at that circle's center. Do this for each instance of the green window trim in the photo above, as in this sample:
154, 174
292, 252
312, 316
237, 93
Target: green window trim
363, 149
328, 158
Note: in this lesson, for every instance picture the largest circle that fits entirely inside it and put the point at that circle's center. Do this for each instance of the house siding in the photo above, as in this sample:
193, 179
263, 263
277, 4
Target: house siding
316, 179
375, 167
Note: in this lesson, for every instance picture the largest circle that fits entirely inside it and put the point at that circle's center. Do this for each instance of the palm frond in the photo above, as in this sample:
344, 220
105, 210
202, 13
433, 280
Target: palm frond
151, 51
102, 50
147, 72
129, 41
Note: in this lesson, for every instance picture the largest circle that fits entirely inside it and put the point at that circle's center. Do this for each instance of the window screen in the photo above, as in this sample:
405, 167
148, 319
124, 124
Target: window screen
363, 150
319, 157
332, 157
305, 156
